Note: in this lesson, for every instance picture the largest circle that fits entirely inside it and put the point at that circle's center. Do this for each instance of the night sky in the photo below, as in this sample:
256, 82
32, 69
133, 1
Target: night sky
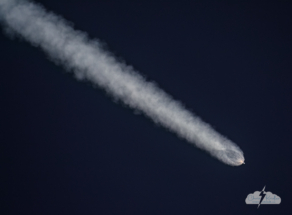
68, 148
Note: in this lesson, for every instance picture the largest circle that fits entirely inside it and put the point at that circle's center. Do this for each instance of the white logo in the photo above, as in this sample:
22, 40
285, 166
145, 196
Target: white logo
262, 197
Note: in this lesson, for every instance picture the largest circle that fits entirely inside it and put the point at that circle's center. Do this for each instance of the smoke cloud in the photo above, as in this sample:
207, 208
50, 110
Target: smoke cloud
89, 61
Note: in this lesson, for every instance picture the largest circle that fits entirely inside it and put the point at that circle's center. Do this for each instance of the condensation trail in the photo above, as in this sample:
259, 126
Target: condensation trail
89, 61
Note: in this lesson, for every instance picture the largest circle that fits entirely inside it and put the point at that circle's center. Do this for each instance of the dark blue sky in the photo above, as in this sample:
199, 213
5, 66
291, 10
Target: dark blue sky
67, 148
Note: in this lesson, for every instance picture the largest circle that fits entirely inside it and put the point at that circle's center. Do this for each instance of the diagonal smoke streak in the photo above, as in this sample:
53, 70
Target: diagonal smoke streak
89, 61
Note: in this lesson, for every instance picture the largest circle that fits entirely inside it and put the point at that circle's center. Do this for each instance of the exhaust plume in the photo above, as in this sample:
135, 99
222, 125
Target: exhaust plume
89, 61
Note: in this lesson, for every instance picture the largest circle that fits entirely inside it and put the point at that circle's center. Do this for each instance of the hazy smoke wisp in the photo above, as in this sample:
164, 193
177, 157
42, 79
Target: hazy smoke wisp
89, 61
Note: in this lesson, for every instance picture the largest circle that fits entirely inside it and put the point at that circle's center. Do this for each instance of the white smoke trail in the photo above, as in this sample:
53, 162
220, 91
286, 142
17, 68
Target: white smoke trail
89, 61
